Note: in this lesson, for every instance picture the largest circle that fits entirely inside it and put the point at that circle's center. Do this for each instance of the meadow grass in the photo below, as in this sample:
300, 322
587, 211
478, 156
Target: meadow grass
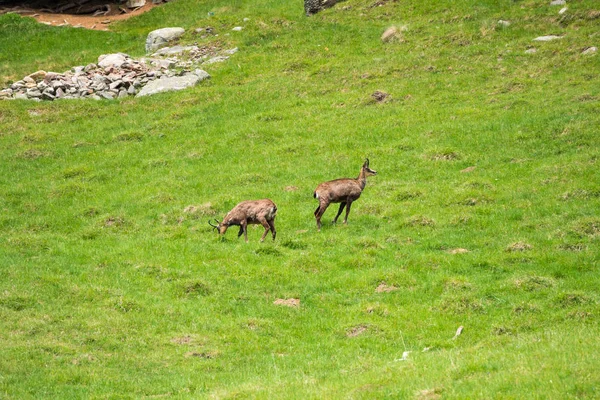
112, 287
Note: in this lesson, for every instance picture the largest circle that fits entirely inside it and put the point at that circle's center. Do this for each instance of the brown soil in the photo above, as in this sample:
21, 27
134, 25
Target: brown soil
99, 22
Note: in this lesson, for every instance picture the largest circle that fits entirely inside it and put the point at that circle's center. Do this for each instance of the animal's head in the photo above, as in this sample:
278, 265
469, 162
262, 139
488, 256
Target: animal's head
368, 171
220, 227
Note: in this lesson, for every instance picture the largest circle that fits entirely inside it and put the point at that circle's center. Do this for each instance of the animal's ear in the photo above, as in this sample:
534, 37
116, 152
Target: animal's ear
366, 164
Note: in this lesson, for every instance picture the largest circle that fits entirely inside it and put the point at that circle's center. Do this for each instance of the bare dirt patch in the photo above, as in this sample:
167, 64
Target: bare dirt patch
287, 302
357, 330
384, 288
113, 11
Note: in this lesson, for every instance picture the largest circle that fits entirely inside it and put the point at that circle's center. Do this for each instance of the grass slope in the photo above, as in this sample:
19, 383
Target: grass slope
111, 287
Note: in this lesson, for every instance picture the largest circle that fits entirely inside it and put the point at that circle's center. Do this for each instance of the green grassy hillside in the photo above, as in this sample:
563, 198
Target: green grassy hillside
112, 286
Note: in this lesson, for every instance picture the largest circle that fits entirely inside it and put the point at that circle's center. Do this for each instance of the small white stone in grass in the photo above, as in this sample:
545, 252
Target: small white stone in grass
237, 29
590, 50
458, 332
404, 356
547, 38
563, 10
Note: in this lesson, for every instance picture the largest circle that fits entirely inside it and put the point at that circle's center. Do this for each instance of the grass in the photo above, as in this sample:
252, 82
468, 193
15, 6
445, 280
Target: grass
112, 286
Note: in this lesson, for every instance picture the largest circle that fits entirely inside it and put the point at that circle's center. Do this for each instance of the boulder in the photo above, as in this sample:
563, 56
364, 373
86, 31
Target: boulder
112, 60
168, 84
160, 37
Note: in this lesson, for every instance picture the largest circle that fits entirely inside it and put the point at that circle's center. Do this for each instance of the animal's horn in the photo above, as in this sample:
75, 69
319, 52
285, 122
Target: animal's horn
214, 226
367, 162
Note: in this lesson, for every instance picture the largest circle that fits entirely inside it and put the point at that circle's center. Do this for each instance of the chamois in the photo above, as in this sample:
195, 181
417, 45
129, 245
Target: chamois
343, 191
249, 212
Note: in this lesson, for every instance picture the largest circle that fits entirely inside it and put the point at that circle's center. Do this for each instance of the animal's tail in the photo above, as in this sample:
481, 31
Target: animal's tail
316, 195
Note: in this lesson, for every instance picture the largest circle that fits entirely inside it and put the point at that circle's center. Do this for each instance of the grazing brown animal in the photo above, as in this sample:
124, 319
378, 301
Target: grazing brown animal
247, 213
343, 191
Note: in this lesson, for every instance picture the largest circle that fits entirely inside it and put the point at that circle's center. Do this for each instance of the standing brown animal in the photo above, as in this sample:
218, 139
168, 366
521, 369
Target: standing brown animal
343, 191
249, 212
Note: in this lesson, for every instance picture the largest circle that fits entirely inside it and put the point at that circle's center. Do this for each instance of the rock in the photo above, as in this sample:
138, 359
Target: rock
78, 69
160, 37
168, 84
246, 19
546, 38
38, 75
590, 50
59, 93
48, 94
563, 10
558, 2
390, 34
33, 93
112, 60
503, 23
231, 51
175, 50
28, 79
21, 96
201, 74
237, 28
122, 93
106, 95
216, 59
135, 3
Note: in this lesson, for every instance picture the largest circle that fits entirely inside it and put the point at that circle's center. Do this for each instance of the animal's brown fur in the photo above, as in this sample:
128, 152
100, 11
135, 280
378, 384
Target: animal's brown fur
343, 191
250, 212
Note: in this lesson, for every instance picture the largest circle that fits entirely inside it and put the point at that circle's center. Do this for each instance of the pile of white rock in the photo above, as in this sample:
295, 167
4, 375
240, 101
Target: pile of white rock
118, 75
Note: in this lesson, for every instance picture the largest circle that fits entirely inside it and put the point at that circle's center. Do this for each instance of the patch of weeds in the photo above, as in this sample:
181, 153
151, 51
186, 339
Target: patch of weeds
420, 220
196, 288
580, 315
32, 154
157, 163
114, 222
461, 305
207, 355
129, 137
586, 227
461, 220
75, 172
17, 303
573, 247
457, 285
444, 155
294, 244
533, 283
526, 308
405, 195
126, 305
69, 189
581, 194
502, 330
267, 251
356, 330
518, 246
573, 299
377, 309
368, 243
90, 234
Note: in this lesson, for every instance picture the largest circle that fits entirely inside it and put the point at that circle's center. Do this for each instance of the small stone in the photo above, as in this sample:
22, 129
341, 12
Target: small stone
390, 34
78, 69
168, 84
201, 74
28, 79
115, 84
531, 51
131, 90
122, 93
231, 51
38, 75
246, 19
563, 10
503, 23
547, 38
107, 95
237, 28
33, 93
112, 60
59, 93
590, 50
558, 2
216, 59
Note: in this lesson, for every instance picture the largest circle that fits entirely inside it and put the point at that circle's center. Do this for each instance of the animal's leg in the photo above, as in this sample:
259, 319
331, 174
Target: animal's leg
317, 210
241, 231
267, 227
272, 225
342, 205
319, 214
244, 227
347, 212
